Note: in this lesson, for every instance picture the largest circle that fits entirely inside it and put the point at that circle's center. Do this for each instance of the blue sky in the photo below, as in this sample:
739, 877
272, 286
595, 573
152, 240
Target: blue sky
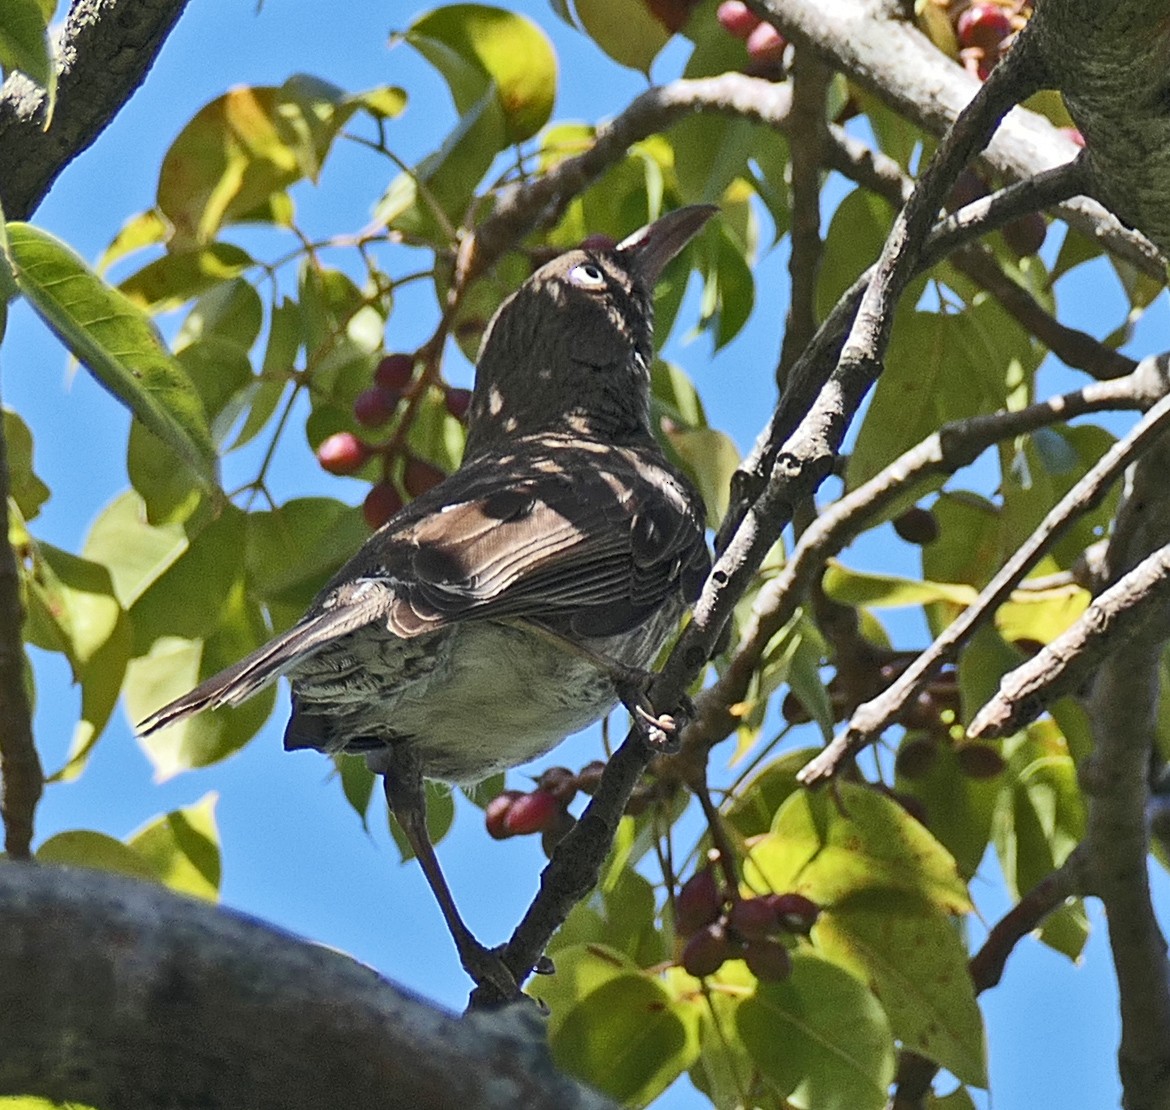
294, 853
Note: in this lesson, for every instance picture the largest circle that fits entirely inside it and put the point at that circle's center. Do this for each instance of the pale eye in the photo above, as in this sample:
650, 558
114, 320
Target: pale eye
587, 274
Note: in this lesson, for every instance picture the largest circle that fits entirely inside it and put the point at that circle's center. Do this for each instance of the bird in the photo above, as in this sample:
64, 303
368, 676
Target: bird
520, 599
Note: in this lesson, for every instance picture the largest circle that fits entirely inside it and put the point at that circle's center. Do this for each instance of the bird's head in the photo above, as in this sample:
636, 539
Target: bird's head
570, 350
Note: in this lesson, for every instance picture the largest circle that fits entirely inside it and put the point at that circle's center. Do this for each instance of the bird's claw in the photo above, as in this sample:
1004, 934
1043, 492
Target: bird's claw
488, 969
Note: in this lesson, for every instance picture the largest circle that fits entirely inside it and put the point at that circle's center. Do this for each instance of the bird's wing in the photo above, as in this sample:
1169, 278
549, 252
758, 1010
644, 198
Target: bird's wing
587, 545
591, 549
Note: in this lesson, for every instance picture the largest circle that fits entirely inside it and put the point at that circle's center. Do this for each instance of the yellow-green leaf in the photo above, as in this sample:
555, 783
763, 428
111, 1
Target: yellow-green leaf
626, 31
475, 47
84, 848
911, 956
243, 148
183, 848
830, 847
618, 1029
820, 1037
25, 46
110, 335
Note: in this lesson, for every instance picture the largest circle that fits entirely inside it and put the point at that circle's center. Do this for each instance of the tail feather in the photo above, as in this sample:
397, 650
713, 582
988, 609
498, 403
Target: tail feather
237, 683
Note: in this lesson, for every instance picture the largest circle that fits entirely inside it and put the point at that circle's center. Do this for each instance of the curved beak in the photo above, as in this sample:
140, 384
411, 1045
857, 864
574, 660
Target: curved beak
650, 248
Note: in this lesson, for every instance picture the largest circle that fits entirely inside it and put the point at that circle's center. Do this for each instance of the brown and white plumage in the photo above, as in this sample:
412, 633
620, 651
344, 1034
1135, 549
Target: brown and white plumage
451, 630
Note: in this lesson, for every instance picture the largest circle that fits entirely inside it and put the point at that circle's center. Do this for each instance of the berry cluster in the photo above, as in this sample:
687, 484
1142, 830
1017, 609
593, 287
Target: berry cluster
716, 927
765, 45
545, 810
345, 453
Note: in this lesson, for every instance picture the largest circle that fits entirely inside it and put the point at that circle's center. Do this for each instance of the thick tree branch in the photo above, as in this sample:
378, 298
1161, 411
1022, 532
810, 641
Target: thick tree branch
104, 53
903, 68
115, 992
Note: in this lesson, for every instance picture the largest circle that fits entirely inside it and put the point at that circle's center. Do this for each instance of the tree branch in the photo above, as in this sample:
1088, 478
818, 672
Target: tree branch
116, 992
874, 716
104, 53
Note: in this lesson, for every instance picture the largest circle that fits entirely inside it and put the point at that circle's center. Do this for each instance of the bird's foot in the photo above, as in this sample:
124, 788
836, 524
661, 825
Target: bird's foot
661, 730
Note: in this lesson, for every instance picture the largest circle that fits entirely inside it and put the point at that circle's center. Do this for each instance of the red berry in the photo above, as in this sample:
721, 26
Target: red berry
560, 782
706, 950
381, 503
915, 757
768, 960
374, 406
751, 918
342, 453
967, 189
736, 18
496, 812
589, 777
793, 710
698, 903
1026, 235
916, 525
531, 813
420, 476
979, 761
458, 401
984, 26
672, 14
394, 372
793, 912
766, 44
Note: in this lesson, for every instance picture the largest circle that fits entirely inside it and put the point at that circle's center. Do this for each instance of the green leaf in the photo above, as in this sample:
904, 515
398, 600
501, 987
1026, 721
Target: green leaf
26, 489
115, 341
939, 367
912, 958
753, 807
292, 550
1042, 470
820, 1037
477, 48
1038, 823
134, 552
621, 917
615, 1028
627, 32
382, 102
856, 235
183, 848
83, 848
174, 279
829, 848
957, 809
245, 147
710, 458
72, 604
861, 588
357, 784
25, 46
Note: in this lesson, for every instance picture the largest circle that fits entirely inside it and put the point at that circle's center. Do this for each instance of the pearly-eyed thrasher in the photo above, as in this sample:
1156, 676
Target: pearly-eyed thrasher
517, 601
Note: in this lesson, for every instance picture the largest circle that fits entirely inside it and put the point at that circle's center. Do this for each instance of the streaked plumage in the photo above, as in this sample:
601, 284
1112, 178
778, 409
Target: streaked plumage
467, 633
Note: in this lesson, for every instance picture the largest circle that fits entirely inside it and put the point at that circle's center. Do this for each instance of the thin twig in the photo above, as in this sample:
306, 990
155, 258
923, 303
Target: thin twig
1064, 665
871, 718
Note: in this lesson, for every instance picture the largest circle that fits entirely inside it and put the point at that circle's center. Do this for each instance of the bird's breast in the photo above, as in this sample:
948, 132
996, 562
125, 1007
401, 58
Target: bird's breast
475, 698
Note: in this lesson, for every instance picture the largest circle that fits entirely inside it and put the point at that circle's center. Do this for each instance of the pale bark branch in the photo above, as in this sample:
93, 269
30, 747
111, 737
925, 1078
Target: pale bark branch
119, 993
